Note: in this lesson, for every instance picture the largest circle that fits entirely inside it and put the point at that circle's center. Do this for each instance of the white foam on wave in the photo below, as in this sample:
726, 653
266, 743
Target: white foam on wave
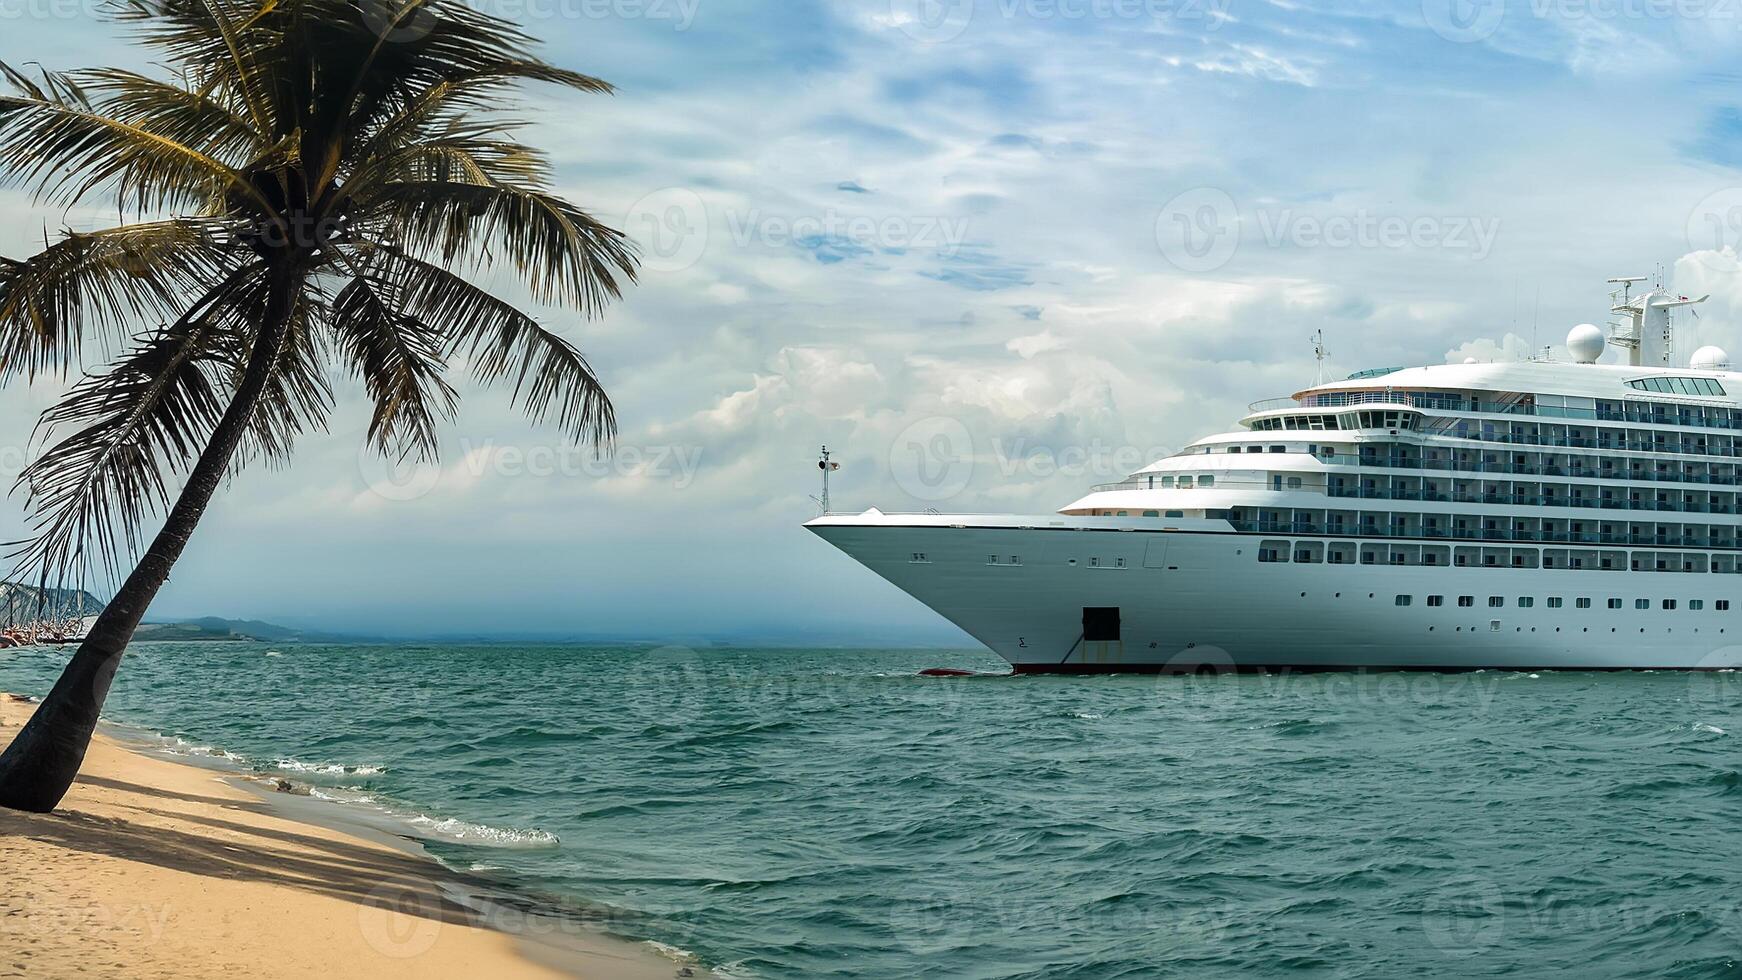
484, 835
674, 953
177, 746
1709, 729
327, 768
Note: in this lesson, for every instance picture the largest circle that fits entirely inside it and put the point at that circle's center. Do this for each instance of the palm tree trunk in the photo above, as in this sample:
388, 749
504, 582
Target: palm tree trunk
39, 766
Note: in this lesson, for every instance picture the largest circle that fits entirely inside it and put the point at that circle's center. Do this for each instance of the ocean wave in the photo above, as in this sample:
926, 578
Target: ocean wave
458, 831
327, 768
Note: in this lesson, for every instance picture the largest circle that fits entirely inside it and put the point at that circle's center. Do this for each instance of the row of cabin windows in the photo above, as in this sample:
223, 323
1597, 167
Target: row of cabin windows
1345, 553
1678, 386
1522, 403
1557, 602
1351, 420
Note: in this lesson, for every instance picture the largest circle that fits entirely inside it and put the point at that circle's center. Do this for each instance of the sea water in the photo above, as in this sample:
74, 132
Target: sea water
829, 813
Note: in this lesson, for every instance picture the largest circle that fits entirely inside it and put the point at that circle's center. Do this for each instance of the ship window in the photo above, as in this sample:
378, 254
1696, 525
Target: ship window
1167, 481
1272, 550
1185, 483
1436, 600
1124, 513
1254, 449
1696, 604
918, 558
1642, 603
1206, 481
1233, 449
1614, 603
1279, 449
1582, 603
1722, 605
1175, 513
1669, 603
1555, 602
1466, 601
1152, 513
1525, 602
1404, 600
1294, 483
1496, 600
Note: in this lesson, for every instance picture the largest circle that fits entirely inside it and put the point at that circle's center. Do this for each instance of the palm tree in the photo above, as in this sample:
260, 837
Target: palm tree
313, 191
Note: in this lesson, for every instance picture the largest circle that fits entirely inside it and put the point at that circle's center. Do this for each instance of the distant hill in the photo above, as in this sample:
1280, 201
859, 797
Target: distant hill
216, 628
20, 603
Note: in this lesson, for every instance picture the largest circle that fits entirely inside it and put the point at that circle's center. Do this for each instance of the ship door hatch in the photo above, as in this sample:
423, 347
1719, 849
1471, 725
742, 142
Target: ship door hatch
1101, 639
1154, 556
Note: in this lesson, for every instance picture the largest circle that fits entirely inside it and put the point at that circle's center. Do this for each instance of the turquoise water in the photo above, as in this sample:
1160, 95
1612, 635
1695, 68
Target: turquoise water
816, 814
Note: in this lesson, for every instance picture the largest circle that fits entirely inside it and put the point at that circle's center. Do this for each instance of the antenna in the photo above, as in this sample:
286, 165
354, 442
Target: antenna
1319, 354
827, 466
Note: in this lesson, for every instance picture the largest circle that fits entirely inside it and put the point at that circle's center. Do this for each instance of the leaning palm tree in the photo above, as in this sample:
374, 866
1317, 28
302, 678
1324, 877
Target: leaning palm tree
312, 190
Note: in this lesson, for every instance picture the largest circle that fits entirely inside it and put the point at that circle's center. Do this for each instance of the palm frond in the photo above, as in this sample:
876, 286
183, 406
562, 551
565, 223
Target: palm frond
52, 137
132, 426
400, 361
107, 280
192, 118
551, 379
297, 397
563, 254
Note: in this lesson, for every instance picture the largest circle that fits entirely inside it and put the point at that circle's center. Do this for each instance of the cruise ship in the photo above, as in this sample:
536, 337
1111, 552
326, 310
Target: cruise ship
1551, 513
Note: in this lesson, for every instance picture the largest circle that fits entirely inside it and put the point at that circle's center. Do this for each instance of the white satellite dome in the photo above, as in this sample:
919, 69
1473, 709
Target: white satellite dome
1470, 360
1585, 343
1710, 359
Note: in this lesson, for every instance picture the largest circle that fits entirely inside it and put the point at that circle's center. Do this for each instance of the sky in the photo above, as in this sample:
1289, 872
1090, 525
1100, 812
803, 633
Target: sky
990, 252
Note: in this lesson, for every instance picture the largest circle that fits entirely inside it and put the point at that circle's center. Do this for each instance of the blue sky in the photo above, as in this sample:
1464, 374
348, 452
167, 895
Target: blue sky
993, 253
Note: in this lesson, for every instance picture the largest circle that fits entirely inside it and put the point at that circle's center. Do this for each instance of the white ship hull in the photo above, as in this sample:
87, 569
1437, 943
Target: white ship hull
1193, 596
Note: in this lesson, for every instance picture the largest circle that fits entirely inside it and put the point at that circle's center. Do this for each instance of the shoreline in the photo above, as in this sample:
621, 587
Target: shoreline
162, 868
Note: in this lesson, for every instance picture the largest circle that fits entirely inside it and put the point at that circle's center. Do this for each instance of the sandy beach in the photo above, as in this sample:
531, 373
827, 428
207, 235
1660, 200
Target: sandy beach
154, 869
